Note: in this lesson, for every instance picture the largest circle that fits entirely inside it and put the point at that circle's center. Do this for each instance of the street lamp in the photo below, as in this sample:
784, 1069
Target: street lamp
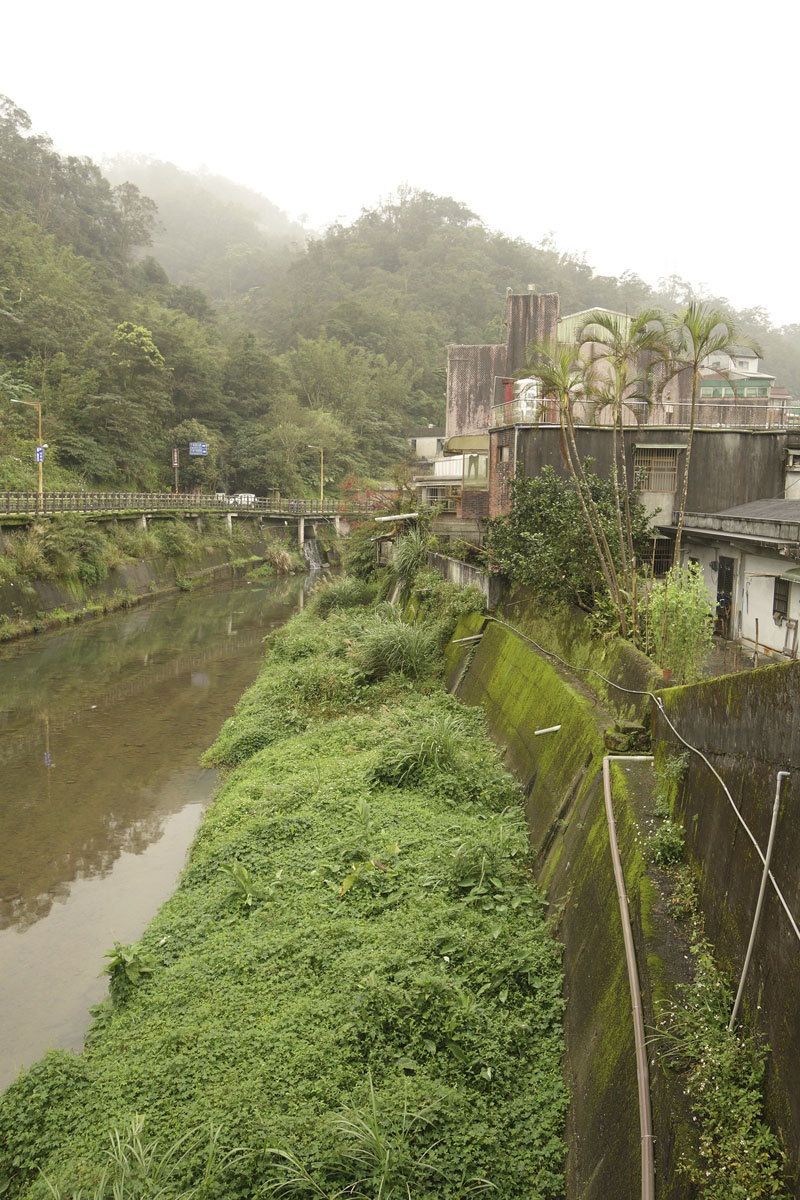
40, 447
321, 458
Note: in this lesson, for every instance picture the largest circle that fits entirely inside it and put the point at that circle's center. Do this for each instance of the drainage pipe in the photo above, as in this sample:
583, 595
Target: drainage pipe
782, 776
642, 1072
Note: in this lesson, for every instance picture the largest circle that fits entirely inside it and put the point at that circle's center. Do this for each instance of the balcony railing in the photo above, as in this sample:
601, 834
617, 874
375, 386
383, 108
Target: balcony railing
637, 414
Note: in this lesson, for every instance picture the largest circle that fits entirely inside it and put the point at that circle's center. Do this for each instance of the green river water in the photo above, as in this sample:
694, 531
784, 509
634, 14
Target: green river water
101, 728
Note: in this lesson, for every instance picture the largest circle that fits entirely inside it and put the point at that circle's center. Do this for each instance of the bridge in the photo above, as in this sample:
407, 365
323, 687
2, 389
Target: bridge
21, 507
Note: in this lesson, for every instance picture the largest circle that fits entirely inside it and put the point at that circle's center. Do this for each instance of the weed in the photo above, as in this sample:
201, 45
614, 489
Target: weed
667, 843
340, 593
421, 748
126, 968
387, 646
137, 1166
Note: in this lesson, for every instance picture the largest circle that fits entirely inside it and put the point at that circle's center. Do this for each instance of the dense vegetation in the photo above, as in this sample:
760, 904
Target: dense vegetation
211, 318
354, 990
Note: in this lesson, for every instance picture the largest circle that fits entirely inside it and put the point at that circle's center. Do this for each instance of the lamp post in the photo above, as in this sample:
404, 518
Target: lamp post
40, 447
321, 460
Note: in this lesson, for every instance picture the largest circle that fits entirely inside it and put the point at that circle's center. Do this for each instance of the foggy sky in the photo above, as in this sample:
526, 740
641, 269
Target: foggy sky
658, 141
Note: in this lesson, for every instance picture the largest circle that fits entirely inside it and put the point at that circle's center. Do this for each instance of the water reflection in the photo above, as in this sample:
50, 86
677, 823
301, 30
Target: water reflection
100, 732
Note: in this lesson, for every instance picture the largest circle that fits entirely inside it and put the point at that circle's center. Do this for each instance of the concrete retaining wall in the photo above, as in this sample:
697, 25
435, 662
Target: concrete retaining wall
747, 725
520, 691
464, 575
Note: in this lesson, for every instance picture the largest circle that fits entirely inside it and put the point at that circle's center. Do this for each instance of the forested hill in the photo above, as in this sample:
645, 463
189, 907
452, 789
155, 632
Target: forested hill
201, 313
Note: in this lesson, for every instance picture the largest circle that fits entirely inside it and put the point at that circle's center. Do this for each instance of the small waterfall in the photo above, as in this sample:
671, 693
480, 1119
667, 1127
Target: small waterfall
312, 555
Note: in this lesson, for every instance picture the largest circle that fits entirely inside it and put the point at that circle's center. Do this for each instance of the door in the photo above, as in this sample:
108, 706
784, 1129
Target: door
724, 595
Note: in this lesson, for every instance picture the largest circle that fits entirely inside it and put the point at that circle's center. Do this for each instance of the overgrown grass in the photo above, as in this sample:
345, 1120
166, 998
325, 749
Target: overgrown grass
373, 1008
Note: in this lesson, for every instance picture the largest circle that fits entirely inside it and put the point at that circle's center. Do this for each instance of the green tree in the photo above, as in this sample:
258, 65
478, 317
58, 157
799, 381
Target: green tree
566, 378
197, 472
544, 540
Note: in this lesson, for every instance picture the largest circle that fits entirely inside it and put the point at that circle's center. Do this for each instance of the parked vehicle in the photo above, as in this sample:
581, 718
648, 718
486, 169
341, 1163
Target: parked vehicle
245, 499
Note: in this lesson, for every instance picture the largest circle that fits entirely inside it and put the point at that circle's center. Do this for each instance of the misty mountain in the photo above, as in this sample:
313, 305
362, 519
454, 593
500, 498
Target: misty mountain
210, 232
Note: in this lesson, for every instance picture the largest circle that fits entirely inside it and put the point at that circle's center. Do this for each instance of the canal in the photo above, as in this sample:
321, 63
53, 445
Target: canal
101, 728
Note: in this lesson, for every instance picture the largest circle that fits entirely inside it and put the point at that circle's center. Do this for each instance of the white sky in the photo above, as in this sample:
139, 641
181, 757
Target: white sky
659, 139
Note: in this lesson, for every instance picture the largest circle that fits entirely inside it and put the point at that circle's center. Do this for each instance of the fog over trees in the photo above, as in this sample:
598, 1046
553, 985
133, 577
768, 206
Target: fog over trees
142, 300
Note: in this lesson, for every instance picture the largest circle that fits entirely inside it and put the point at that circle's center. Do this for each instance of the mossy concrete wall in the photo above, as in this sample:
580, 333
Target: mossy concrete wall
567, 633
521, 691
748, 726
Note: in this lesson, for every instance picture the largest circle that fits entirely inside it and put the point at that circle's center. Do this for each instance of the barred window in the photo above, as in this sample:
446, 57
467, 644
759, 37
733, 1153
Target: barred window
656, 470
780, 600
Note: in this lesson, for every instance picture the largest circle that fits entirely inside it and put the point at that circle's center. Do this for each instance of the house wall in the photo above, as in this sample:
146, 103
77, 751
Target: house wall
728, 466
427, 447
470, 377
757, 597
753, 592
471, 370
531, 318
500, 473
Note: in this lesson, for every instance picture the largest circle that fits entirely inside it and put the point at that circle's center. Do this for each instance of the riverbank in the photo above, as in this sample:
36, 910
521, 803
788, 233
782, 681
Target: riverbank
69, 568
356, 979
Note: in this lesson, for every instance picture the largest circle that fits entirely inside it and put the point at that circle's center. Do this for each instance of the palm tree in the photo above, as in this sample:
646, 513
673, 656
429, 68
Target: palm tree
694, 334
565, 378
629, 347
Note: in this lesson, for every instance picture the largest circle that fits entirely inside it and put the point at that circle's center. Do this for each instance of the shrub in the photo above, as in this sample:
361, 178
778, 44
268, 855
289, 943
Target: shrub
667, 843
387, 646
679, 619
423, 747
340, 593
174, 538
410, 554
359, 557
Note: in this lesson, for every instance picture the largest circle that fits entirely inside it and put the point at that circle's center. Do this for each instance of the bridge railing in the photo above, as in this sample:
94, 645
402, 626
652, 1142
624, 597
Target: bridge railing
34, 503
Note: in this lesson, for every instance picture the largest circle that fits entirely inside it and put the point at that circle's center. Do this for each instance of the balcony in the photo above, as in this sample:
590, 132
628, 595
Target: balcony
640, 413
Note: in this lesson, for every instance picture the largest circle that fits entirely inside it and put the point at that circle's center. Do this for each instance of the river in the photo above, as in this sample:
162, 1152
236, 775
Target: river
101, 728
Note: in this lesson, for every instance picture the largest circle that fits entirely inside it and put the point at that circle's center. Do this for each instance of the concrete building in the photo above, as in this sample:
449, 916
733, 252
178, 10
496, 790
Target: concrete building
745, 462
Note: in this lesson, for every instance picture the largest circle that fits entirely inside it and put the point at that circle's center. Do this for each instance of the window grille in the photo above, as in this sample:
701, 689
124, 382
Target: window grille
656, 470
661, 555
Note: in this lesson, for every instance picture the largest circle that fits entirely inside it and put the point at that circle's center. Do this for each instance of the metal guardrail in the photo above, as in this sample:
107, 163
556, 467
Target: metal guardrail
34, 504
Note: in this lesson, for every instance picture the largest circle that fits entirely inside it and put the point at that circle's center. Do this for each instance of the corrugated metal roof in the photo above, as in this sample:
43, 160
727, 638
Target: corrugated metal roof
770, 510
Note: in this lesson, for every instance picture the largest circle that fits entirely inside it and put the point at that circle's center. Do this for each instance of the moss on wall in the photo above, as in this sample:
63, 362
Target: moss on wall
566, 632
521, 691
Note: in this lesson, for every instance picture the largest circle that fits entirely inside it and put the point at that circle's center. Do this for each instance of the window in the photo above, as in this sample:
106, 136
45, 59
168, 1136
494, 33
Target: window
661, 555
780, 600
504, 454
656, 469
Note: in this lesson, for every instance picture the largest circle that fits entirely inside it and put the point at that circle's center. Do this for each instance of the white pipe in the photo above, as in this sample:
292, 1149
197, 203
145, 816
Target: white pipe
782, 775
642, 1072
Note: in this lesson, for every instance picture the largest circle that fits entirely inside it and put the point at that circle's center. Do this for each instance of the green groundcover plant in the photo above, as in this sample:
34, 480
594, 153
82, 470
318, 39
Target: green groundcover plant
355, 989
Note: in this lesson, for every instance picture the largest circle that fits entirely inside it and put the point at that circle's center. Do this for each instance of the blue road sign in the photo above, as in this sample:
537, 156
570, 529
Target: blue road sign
197, 448
40, 453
